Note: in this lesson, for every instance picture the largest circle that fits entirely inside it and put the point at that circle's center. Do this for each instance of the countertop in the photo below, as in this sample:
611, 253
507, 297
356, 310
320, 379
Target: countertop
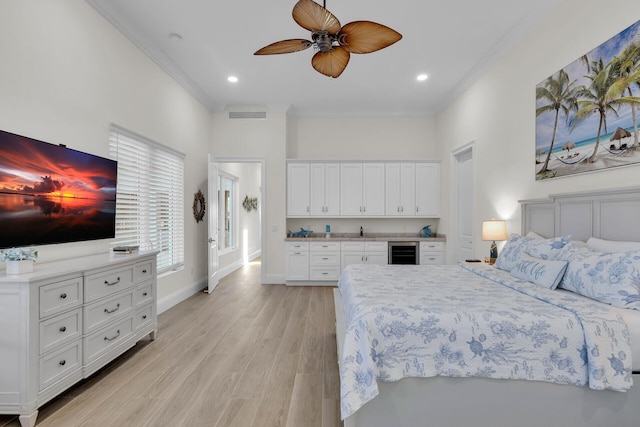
391, 237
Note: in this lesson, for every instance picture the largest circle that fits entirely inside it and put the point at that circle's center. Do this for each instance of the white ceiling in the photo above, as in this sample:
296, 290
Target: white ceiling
452, 41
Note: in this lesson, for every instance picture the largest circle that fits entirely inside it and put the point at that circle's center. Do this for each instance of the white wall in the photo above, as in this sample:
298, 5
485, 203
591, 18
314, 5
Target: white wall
498, 112
66, 74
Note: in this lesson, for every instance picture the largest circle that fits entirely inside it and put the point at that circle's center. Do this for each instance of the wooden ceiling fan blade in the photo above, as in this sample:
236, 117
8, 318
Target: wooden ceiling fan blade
313, 17
367, 36
331, 63
284, 46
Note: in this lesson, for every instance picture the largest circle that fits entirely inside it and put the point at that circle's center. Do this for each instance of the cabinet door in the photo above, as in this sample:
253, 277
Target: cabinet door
428, 189
392, 189
348, 258
298, 189
373, 193
332, 189
408, 189
317, 189
379, 258
351, 189
297, 266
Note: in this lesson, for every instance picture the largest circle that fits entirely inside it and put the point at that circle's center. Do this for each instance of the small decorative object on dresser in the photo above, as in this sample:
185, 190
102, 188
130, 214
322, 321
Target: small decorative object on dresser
19, 260
426, 231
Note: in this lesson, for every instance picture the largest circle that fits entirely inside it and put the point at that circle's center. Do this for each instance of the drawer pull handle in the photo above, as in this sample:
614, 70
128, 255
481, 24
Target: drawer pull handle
144, 294
63, 329
325, 258
62, 362
114, 337
144, 271
63, 296
106, 282
144, 317
106, 310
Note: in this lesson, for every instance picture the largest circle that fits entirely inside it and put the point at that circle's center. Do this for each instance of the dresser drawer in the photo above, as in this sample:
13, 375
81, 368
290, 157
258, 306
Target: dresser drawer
143, 294
100, 313
432, 259
324, 259
324, 273
100, 342
143, 271
143, 317
324, 246
60, 329
59, 364
352, 246
60, 296
376, 247
107, 282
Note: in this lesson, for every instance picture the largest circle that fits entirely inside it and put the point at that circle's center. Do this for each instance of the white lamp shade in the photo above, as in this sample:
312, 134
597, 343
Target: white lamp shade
494, 230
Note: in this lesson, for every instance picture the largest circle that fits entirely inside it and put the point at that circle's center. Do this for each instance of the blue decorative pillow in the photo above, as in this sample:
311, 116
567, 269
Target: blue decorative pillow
612, 278
573, 250
510, 253
530, 245
545, 248
545, 273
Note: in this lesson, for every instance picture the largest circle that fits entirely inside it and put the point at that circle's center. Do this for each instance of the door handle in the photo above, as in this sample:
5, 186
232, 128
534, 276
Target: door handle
211, 240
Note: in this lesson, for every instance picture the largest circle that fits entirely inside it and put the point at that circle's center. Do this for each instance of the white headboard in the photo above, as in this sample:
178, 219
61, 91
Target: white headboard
607, 214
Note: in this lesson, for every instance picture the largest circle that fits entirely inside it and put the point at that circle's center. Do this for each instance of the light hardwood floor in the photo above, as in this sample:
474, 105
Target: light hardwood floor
246, 355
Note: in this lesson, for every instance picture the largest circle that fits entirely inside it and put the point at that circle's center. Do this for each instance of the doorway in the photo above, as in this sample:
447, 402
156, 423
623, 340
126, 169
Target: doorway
463, 204
240, 206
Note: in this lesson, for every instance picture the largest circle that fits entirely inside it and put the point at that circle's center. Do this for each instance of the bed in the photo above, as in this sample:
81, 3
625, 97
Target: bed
471, 344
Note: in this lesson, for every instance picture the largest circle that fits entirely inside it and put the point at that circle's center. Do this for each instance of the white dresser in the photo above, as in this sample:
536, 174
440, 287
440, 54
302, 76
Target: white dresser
68, 319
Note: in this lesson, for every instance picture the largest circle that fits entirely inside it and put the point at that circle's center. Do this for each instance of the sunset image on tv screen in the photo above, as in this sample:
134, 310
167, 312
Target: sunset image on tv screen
52, 194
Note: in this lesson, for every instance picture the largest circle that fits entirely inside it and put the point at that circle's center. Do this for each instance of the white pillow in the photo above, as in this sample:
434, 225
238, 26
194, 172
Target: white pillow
611, 245
545, 273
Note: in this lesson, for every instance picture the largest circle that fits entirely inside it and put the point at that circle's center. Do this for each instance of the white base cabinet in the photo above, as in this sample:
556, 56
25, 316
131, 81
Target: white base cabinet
431, 253
68, 319
364, 253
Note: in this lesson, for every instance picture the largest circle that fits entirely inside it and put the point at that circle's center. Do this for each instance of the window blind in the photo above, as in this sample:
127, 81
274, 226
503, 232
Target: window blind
150, 196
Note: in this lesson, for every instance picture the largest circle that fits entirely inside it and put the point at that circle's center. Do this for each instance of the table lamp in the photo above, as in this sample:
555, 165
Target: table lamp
494, 230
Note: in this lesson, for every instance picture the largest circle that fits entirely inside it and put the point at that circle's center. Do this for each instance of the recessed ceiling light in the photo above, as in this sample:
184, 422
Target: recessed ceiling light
422, 77
175, 37
232, 79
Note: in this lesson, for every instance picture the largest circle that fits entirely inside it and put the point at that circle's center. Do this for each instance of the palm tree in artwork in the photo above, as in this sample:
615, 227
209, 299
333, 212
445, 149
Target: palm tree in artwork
628, 65
603, 95
560, 95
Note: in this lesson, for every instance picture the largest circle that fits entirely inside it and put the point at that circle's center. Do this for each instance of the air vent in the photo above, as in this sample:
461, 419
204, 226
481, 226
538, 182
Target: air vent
260, 115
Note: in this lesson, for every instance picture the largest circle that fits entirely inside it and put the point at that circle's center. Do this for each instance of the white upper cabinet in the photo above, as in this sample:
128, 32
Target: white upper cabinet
325, 189
298, 189
350, 189
428, 189
362, 189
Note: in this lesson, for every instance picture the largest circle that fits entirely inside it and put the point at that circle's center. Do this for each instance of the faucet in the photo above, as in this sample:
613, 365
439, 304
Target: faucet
361, 232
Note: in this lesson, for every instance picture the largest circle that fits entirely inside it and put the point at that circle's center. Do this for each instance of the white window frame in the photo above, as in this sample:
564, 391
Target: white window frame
150, 197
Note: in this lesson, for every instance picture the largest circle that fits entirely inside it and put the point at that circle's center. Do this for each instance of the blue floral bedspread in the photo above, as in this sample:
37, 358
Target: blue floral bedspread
472, 321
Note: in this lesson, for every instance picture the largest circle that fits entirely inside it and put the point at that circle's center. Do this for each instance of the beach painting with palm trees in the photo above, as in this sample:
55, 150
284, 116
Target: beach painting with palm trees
587, 113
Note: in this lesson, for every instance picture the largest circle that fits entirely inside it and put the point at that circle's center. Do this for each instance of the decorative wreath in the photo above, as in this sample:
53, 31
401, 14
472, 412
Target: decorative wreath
198, 206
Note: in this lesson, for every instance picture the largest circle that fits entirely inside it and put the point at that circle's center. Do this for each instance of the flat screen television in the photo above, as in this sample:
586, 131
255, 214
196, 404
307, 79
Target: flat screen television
53, 194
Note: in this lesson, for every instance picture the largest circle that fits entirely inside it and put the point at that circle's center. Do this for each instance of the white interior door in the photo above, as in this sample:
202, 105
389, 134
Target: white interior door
213, 226
464, 205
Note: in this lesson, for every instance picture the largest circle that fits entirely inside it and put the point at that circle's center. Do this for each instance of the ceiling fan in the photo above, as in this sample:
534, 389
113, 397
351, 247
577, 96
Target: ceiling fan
333, 42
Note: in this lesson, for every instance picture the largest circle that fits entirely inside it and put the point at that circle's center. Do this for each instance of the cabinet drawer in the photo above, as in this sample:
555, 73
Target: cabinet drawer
297, 247
324, 259
143, 317
60, 329
59, 364
108, 282
60, 296
324, 273
100, 342
324, 246
100, 313
376, 246
431, 247
143, 271
143, 294
432, 259
352, 246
